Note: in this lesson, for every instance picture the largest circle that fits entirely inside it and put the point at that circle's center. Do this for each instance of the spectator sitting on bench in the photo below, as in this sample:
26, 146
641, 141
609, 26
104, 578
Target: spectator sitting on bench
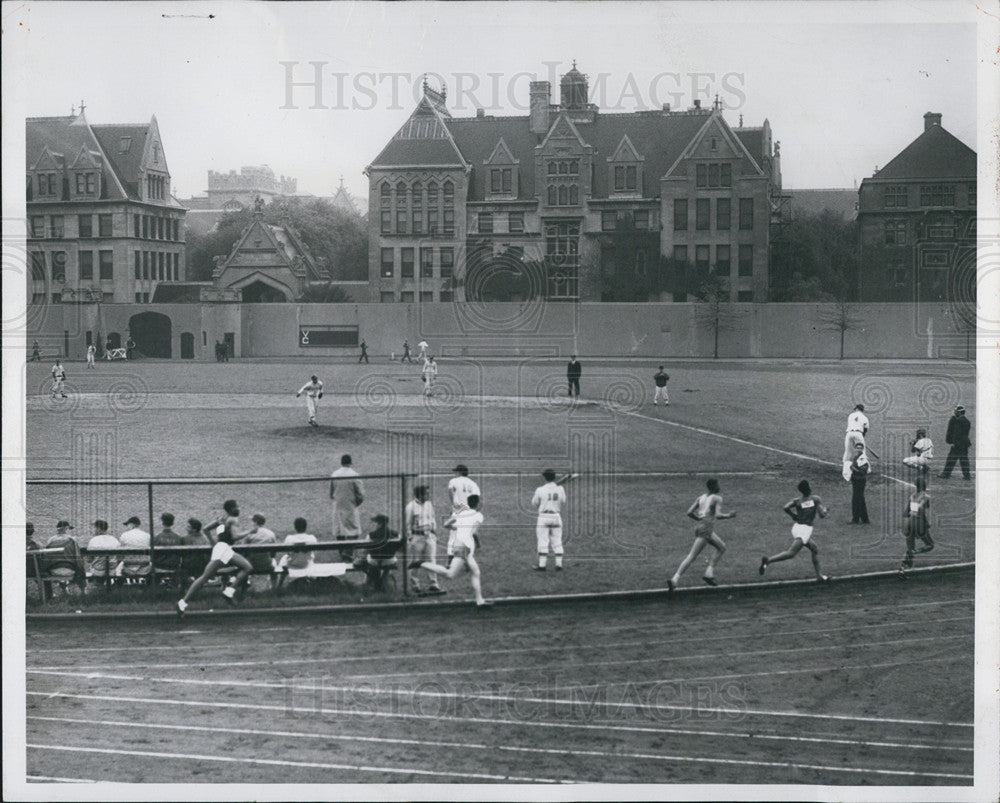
168, 563
381, 552
262, 562
68, 566
297, 564
135, 566
194, 565
100, 567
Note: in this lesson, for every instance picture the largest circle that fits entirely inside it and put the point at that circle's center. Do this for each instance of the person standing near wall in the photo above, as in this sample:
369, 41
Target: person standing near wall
364, 353
91, 354
347, 494
573, 372
958, 437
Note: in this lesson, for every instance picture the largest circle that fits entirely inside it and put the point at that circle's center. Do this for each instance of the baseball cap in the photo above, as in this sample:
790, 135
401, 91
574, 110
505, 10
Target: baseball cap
960, 409
133, 520
101, 524
64, 523
461, 467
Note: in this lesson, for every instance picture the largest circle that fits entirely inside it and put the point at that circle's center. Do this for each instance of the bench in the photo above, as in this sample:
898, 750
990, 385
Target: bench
178, 576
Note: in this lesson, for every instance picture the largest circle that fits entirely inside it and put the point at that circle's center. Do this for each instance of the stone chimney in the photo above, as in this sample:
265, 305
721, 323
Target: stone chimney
540, 95
931, 119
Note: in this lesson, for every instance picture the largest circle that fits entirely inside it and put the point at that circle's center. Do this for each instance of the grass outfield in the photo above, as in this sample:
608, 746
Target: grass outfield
758, 426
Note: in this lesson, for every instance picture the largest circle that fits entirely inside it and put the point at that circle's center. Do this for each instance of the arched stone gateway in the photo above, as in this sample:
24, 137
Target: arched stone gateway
151, 333
260, 292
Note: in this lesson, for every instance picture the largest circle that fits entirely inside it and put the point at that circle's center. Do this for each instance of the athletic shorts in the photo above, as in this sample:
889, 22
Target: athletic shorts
462, 552
803, 532
705, 530
223, 552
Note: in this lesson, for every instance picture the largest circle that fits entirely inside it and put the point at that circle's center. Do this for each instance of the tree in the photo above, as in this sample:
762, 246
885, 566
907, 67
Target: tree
813, 258
839, 317
715, 310
629, 262
324, 293
330, 233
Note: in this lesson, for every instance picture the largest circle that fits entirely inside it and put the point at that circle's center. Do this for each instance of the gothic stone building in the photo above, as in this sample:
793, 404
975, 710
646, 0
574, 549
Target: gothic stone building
102, 224
917, 218
569, 203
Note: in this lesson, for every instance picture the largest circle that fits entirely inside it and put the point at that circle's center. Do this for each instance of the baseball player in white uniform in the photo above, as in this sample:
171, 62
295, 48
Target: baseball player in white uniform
58, 377
421, 531
422, 345
91, 354
922, 450
857, 428
464, 524
548, 500
460, 487
428, 374
313, 390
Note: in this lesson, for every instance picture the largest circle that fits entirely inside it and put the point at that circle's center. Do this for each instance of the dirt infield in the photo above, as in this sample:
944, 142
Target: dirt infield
857, 683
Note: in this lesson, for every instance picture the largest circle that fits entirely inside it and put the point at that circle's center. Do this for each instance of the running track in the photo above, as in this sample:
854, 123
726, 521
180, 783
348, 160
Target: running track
865, 682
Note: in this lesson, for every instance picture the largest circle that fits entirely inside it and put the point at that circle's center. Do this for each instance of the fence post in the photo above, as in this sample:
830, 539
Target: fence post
402, 530
152, 565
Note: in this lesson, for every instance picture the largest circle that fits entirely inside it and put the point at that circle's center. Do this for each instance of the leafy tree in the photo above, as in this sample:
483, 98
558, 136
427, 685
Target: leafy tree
330, 233
324, 293
629, 262
815, 258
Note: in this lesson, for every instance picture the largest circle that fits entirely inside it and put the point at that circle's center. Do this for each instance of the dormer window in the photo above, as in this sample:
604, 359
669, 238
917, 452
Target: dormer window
625, 178
501, 171
501, 179
124, 144
86, 183
48, 185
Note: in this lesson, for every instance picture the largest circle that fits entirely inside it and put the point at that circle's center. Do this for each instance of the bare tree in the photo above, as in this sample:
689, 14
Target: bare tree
839, 316
715, 311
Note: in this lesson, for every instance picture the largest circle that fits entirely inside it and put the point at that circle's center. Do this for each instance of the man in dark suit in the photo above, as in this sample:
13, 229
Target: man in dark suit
573, 371
958, 437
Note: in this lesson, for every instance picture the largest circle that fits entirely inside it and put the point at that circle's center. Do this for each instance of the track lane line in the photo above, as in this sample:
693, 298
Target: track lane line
484, 776
249, 684
274, 762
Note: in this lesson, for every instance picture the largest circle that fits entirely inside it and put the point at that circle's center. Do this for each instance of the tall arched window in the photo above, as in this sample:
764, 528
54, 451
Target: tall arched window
385, 208
574, 194
563, 195
553, 200
448, 191
401, 208
417, 217
433, 215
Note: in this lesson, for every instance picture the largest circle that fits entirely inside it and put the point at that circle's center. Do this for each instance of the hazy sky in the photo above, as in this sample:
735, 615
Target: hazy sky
844, 85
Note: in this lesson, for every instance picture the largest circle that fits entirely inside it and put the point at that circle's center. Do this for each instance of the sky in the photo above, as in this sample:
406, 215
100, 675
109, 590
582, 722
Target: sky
844, 85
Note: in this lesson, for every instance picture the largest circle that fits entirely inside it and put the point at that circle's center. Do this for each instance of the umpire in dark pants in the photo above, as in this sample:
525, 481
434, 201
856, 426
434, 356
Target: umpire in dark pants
859, 479
573, 372
958, 436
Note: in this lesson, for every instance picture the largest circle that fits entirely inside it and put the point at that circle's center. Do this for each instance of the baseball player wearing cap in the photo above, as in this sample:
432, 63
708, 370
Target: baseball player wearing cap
460, 487
421, 543
428, 374
422, 345
313, 390
706, 510
548, 500
464, 524
660, 379
222, 555
91, 354
921, 452
857, 429
58, 378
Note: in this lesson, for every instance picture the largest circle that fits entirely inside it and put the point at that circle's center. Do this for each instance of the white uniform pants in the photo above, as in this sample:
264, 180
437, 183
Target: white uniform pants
917, 461
57, 386
661, 395
311, 406
548, 531
90, 360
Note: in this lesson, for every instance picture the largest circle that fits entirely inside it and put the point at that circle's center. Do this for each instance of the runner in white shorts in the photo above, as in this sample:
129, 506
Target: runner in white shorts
223, 554
464, 524
803, 511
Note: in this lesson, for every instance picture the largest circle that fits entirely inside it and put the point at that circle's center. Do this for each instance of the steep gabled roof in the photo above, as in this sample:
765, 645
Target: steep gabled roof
423, 139
64, 138
126, 165
477, 138
934, 154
